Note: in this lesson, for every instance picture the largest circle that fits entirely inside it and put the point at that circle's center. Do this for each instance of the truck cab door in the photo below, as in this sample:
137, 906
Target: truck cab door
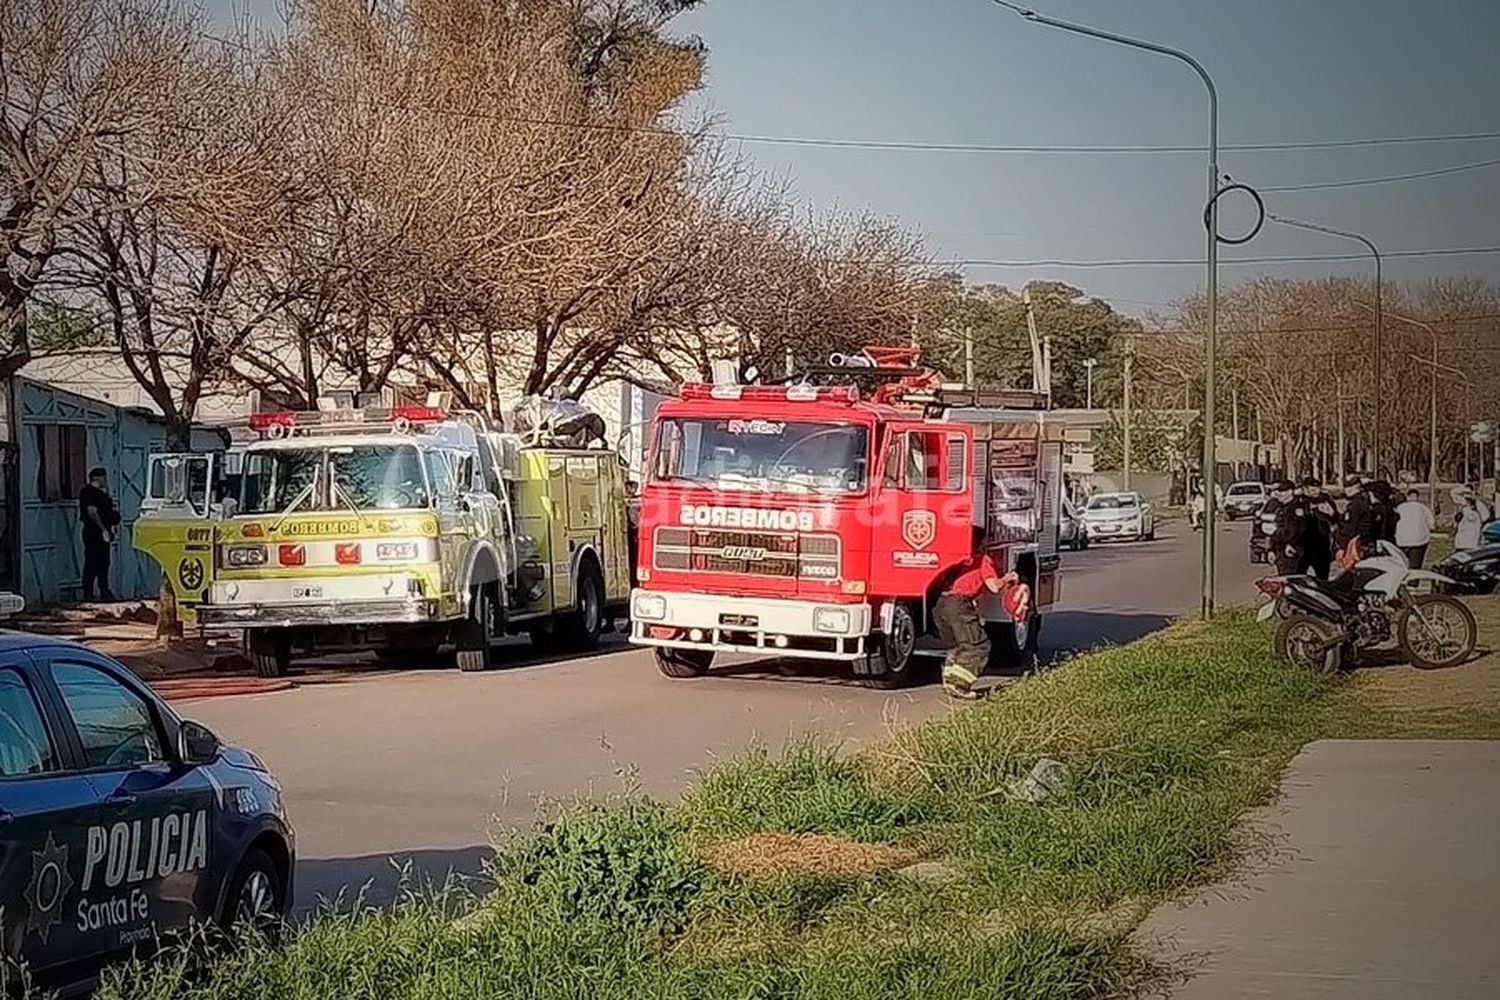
926, 511
176, 524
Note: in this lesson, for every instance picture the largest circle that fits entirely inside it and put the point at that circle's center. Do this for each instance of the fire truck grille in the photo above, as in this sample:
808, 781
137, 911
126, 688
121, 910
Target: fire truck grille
788, 555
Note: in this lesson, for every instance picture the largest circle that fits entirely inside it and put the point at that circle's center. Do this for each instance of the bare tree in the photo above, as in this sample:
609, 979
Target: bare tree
78, 81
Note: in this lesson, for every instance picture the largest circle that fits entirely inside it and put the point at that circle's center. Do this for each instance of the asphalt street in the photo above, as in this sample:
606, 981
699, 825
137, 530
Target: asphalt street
384, 766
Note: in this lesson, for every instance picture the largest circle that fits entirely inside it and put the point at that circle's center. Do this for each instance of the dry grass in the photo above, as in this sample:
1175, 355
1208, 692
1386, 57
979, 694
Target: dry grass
772, 856
1399, 701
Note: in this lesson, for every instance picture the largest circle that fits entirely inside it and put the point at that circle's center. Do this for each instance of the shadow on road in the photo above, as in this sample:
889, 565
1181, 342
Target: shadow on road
378, 879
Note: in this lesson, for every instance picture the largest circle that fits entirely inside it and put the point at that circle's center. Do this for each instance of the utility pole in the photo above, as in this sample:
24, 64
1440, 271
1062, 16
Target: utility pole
1129, 360
969, 356
1088, 366
1047, 368
1338, 383
1036, 341
1234, 423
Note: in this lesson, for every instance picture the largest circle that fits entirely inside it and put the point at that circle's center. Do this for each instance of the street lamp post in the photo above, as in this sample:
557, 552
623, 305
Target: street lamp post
1088, 365
1211, 217
1379, 316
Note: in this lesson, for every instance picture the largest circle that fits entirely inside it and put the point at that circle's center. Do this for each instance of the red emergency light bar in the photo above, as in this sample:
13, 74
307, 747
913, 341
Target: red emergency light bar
288, 419
771, 393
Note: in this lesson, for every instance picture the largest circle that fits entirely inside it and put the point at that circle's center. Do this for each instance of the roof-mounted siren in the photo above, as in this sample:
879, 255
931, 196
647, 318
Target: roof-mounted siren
341, 399
724, 372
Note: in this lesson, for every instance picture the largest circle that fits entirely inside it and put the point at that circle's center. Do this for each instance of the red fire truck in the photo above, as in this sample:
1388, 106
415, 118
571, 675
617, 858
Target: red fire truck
818, 519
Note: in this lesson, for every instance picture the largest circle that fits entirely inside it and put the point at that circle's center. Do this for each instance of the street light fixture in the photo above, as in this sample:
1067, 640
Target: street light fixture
1379, 314
1207, 582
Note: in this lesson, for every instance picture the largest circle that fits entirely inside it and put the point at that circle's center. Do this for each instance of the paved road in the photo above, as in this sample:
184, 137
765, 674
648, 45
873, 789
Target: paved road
1384, 885
426, 764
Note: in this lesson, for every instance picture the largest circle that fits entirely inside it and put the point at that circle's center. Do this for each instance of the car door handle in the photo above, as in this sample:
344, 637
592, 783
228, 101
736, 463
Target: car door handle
6, 817
120, 799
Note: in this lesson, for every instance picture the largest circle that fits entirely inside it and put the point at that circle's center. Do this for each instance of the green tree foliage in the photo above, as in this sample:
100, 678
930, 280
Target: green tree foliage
1079, 325
1156, 442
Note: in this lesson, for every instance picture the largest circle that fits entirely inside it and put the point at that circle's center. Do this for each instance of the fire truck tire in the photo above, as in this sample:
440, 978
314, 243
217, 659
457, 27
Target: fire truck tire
473, 637
1014, 649
583, 625
270, 652
684, 662
892, 653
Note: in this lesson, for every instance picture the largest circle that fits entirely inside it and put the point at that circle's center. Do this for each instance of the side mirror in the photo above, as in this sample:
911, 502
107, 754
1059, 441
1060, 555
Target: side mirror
196, 744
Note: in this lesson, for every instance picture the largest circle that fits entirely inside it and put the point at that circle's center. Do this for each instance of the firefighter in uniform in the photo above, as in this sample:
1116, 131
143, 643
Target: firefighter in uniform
1289, 535
957, 617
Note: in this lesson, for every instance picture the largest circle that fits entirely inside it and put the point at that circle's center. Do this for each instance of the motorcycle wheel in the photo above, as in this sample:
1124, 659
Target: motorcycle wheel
1298, 639
1437, 631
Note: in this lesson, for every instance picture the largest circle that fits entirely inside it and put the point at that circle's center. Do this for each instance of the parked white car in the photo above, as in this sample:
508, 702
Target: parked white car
1244, 499
1113, 516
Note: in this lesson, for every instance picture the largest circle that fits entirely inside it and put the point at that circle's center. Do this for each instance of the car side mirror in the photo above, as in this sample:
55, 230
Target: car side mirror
196, 744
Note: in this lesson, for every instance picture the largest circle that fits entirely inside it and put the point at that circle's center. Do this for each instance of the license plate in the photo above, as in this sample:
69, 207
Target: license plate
739, 621
302, 593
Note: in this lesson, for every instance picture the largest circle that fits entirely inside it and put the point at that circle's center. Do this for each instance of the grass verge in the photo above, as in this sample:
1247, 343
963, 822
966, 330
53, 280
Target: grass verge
1166, 742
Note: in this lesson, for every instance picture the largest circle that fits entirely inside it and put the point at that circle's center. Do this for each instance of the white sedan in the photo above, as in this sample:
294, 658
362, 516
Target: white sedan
1111, 516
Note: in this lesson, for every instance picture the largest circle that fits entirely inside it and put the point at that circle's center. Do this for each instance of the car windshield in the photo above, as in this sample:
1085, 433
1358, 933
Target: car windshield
1245, 489
774, 456
1111, 501
380, 477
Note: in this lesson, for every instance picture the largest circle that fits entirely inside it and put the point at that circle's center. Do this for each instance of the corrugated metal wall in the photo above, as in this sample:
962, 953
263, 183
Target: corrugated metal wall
50, 543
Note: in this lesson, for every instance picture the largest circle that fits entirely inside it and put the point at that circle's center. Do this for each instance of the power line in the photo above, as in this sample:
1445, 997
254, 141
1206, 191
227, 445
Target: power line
1438, 172
1198, 262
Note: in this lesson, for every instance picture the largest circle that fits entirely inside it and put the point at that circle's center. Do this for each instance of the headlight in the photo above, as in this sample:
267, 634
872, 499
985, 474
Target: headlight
649, 607
834, 620
245, 555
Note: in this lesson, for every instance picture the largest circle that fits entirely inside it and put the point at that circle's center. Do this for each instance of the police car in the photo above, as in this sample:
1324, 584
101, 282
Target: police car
119, 822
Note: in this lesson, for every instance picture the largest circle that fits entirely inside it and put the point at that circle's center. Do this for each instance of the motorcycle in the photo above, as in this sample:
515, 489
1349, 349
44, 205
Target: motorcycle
1380, 604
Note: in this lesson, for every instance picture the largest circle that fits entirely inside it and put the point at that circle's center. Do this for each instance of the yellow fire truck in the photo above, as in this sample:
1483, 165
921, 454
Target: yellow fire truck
397, 529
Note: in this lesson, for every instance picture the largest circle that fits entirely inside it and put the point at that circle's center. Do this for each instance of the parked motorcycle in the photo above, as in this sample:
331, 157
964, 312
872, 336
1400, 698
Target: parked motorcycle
1380, 604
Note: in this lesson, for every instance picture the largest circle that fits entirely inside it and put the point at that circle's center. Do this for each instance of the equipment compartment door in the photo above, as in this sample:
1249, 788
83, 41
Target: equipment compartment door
926, 512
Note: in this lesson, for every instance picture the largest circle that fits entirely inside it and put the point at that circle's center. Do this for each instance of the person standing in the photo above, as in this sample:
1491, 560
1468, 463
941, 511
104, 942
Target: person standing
1196, 509
1317, 539
97, 514
1470, 519
1414, 524
956, 615
1291, 515
1358, 529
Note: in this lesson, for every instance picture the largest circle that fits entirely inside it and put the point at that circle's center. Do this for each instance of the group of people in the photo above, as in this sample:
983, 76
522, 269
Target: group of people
1310, 533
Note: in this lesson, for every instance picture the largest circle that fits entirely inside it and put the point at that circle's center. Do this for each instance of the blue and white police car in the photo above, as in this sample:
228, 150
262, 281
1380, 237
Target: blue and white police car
120, 823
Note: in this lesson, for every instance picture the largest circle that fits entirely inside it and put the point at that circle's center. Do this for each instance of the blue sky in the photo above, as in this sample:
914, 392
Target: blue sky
966, 71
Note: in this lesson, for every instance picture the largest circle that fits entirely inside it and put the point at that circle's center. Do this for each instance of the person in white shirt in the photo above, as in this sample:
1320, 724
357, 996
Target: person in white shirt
1414, 524
1472, 514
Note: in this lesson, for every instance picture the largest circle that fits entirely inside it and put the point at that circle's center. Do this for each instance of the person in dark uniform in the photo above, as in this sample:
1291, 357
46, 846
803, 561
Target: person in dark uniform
96, 512
1317, 539
1359, 527
1291, 516
956, 615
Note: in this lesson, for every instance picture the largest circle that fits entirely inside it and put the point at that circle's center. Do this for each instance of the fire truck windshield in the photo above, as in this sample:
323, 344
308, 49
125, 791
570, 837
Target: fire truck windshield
755, 455
287, 480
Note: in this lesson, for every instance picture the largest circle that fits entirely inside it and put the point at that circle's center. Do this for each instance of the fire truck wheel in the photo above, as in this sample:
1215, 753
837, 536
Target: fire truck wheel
270, 652
473, 636
1013, 646
587, 619
893, 652
684, 662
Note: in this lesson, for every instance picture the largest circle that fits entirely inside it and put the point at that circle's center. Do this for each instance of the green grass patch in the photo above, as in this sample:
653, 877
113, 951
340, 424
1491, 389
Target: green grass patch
1167, 742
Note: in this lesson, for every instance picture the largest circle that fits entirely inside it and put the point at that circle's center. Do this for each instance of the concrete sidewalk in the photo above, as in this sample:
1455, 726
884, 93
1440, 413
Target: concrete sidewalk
1384, 884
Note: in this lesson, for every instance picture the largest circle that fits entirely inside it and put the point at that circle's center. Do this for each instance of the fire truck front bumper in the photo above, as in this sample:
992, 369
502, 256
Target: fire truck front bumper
349, 600
807, 629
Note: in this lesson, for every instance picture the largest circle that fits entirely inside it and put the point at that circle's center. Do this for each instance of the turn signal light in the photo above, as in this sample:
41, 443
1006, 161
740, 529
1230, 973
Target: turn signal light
291, 555
853, 587
253, 530
347, 553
